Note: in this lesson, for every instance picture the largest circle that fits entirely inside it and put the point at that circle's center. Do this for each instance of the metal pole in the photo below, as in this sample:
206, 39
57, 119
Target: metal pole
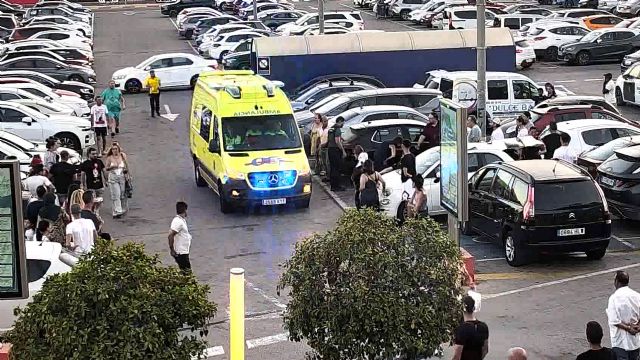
321, 16
236, 314
481, 47
255, 9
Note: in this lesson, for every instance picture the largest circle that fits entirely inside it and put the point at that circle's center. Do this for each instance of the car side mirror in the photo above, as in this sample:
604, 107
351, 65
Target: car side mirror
598, 41
214, 146
27, 120
437, 178
310, 101
48, 98
147, 68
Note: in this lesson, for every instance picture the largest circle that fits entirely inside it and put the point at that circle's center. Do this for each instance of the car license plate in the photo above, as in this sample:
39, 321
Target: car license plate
274, 201
571, 232
605, 180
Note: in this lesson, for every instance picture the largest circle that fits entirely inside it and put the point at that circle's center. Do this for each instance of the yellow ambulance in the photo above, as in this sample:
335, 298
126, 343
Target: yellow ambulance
245, 143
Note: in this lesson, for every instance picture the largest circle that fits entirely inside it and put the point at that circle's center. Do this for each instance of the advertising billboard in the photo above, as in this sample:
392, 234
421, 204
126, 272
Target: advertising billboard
13, 272
453, 158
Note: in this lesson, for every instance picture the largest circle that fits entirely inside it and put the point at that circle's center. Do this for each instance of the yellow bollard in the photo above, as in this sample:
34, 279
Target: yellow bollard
236, 314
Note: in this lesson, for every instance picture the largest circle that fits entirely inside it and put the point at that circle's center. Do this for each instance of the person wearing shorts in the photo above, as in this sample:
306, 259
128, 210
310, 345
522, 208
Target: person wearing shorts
115, 104
99, 124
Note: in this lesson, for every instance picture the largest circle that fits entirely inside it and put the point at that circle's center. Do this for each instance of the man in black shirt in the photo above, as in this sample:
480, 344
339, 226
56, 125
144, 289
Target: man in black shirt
33, 208
63, 175
471, 340
88, 198
408, 161
93, 177
336, 154
596, 352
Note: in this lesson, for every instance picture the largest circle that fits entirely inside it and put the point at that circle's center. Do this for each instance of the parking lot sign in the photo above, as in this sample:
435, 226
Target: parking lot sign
13, 268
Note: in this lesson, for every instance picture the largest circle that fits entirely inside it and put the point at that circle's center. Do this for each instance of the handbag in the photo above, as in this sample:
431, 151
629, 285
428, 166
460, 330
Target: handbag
128, 187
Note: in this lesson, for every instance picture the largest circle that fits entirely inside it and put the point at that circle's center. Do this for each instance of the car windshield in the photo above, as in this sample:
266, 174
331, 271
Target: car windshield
602, 153
590, 36
425, 160
621, 165
253, 133
536, 31
566, 195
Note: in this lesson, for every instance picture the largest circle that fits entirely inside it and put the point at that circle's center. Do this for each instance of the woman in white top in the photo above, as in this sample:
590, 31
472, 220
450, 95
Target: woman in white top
116, 167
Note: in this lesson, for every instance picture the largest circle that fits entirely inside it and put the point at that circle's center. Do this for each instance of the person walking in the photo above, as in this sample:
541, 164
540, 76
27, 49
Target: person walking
153, 84
336, 154
361, 157
596, 350
407, 162
564, 152
81, 233
63, 175
474, 133
471, 338
115, 104
623, 313
99, 124
92, 173
369, 182
51, 155
609, 89
430, 135
179, 237
516, 353
116, 167
89, 206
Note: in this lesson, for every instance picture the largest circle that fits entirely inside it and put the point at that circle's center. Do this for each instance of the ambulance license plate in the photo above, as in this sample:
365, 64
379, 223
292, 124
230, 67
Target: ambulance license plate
274, 201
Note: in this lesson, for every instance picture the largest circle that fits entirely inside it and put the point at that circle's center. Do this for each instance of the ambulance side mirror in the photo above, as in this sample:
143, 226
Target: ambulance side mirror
214, 146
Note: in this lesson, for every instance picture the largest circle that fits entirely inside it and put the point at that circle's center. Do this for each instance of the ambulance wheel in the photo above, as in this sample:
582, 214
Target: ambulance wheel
619, 99
225, 206
199, 180
302, 204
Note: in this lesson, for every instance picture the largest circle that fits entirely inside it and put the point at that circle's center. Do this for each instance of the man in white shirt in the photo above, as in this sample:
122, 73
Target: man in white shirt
32, 182
99, 123
564, 152
179, 237
623, 312
81, 233
497, 133
609, 89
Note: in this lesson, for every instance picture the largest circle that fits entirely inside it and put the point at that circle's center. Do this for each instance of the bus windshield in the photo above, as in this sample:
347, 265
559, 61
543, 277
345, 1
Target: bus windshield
254, 133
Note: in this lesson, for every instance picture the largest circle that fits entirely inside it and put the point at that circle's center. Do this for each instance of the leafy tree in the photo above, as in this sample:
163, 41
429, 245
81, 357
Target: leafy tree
370, 289
117, 303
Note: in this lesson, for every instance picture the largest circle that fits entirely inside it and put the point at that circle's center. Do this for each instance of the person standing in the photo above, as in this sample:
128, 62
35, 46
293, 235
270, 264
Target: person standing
116, 167
408, 162
471, 338
89, 205
369, 181
430, 135
115, 104
324, 150
51, 155
336, 154
623, 313
474, 133
315, 134
35, 180
63, 175
522, 126
361, 157
33, 208
596, 350
179, 237
153, 84
609, 89
550, 91
564, 152
497, 133
99, 123
56, 217
81, 233
92, 173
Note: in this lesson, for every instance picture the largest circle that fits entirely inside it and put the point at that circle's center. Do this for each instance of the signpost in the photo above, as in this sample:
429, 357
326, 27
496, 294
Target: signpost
13, 263
453, 164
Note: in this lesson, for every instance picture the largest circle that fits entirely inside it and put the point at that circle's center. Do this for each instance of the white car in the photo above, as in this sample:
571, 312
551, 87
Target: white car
173, 69
525, 55
247, 12
349, 25
221, 45
44, 259
546, 37
587, 134
73, 132
628, 86
332, 30
61, 20
464, 17
428, 166
207, 38
195, 10
312, 18
35, 148
30, 44
41, 92
46, 107
65, 38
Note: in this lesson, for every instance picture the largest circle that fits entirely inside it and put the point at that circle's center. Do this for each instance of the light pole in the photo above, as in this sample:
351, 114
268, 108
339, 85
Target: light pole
481, 50
321, 16
255, 9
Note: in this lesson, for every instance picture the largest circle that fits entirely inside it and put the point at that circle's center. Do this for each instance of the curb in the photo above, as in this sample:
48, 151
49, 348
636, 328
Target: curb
343, 205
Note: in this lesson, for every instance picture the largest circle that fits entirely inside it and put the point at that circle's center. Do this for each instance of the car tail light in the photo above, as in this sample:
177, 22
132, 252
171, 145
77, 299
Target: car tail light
625, 184
528, 211
450, 23
539, 38
605, 205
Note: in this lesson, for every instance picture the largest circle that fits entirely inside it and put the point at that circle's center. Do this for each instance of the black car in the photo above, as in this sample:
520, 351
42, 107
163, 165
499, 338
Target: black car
70, 53
619, 178
591, 159
374, 136
172, 9
629, 60
8, 8
207, 23
85, 91
237, 61
9, 21
41, 52
276, 18
600, 45
56, 69
534, 206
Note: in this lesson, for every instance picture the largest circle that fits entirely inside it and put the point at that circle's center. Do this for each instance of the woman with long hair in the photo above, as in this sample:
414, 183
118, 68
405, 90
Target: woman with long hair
42, 231
418, 199
361, 157
56, 216
67, 203
369, 182
117, 168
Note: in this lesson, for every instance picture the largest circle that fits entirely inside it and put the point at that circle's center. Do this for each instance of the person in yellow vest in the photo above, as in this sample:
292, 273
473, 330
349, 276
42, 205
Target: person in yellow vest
153, 84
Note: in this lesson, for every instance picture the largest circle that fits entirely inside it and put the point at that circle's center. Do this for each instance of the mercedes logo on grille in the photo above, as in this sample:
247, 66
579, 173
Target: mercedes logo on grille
273, 179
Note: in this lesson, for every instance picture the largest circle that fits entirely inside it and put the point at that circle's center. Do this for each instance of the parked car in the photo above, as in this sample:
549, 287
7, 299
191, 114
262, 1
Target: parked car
312, 18
601, 21
520, 6
172, 9
63, 97
83, 27
65, 38
578, 100
9, 21
627, 85
7, 55
464, 17
75, 7
237, 60
619, 177
515, 21
323, 89
629, 60
224, 43
35, 147
533, 206
14, 9
187, 27
587, 134
87, 92
204, 41
525, 55
590, 160
247, 12
372, 135
196, 10
598, 45
402, 8
44, 106
276, 17
175, 70
535, 11
576, 14
628, 8
313, 29
53, 68
61, 11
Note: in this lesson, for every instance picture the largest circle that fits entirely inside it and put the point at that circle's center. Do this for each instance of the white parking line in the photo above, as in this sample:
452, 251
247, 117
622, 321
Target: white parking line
174, 23
564, 81
267, 340
593, 79
263, 293
623, 241
211, 352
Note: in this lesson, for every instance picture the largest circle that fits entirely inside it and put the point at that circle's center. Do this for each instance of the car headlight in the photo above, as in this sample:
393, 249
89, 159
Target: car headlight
627, 62
119, 77
234, 175
570, 48
85, 91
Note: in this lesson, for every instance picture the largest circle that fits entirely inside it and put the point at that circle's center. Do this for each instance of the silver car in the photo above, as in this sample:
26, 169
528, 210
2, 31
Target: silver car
321, 90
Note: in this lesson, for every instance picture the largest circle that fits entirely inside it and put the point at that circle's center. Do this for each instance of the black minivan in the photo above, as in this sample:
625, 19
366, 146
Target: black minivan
172, 9
536, 206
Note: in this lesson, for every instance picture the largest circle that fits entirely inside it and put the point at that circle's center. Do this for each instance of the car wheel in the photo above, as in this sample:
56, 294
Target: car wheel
173, 13
526, 64
199, 180
552, 54
222, 55
404, 14
583, 58
596, 254
619, 99
513, 250
76, 77
401, 213
225, 206
193, 81
69, 140
245, 67
133, 86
